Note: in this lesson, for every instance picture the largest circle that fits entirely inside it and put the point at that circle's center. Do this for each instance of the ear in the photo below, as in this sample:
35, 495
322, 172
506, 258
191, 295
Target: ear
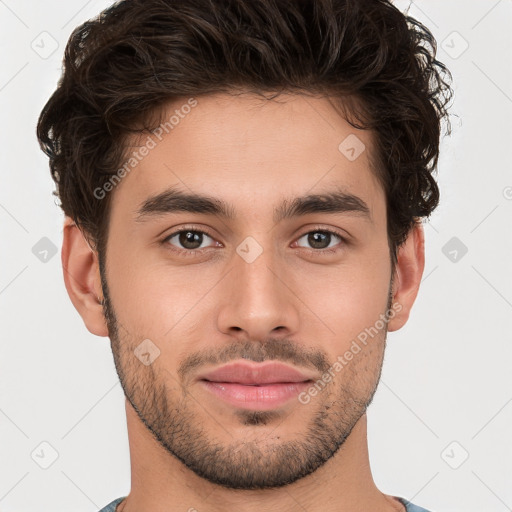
82, 278
407, 277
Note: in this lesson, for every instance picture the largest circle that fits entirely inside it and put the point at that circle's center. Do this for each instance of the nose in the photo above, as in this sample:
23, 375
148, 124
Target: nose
258, 299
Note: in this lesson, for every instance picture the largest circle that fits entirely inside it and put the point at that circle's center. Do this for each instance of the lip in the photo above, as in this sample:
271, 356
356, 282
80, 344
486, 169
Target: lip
256, 386
257, 374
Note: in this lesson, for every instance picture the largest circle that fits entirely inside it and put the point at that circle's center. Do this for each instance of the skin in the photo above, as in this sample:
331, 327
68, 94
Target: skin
190, 450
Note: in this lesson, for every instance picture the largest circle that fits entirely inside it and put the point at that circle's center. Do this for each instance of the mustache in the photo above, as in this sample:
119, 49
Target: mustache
273, 349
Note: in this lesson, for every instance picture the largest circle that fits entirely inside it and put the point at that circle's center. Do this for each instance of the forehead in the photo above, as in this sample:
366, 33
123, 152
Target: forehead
244, 148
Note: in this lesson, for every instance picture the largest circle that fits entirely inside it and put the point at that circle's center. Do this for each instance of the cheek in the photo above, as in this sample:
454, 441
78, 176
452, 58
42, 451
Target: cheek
159, 301
165, 302
348, 298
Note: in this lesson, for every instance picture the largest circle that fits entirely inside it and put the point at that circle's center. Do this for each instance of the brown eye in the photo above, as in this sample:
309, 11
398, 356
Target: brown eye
187, 239
320, 239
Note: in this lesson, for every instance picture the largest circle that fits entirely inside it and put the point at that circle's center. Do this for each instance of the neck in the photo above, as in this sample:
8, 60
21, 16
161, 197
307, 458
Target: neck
160, 482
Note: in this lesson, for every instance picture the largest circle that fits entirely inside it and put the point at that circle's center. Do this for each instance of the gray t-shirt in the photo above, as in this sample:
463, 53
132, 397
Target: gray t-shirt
410, 507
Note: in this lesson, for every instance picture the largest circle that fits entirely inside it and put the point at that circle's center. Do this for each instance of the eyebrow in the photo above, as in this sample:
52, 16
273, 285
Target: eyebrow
173, 200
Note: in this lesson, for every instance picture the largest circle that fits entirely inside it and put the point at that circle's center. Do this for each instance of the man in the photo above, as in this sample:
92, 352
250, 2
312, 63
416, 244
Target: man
243, 184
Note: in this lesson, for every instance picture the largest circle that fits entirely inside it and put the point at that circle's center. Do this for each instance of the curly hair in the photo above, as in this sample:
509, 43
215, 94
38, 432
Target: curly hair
138, 55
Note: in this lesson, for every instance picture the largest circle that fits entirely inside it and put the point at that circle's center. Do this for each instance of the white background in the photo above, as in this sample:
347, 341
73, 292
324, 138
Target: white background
447, 373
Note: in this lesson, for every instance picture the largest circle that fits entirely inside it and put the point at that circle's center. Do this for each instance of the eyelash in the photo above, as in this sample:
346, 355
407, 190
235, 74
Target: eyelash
196, 252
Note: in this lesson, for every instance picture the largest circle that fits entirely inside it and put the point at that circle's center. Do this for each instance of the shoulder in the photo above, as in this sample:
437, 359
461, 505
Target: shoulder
411, 507
111, 507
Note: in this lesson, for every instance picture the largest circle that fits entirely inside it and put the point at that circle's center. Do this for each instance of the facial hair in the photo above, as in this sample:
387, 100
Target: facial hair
175, 417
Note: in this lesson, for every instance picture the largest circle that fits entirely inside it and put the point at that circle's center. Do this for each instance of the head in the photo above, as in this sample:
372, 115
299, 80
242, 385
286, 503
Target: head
290, 120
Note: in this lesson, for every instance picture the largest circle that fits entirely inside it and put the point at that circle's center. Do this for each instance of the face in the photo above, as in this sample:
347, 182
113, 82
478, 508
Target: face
188, 289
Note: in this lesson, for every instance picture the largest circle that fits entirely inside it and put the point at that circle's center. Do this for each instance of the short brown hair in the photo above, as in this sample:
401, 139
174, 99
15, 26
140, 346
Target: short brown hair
127, 63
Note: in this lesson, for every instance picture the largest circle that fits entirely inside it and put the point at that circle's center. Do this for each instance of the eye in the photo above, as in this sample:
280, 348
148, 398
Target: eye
187, 240
321, 240
191, 241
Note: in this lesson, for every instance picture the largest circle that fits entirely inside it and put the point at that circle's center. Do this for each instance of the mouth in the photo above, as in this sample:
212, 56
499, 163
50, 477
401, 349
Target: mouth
257, 396
256, 386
